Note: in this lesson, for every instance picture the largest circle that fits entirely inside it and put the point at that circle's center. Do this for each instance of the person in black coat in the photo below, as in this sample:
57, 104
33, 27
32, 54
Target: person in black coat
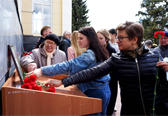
65, 42
135, 66
104, 38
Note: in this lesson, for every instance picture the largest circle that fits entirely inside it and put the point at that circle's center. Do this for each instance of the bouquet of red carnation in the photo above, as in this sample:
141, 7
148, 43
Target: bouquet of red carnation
159, 34
31, 82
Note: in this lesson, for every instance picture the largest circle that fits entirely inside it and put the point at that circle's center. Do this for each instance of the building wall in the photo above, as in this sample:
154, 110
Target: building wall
61, 16
10, 34
27, 13
61, 21
57, 17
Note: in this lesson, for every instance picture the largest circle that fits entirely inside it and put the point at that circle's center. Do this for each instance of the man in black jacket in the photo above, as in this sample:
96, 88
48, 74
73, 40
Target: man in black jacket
65, 42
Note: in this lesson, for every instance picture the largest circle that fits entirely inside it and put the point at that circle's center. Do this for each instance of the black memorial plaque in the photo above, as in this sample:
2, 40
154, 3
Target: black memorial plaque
17, 64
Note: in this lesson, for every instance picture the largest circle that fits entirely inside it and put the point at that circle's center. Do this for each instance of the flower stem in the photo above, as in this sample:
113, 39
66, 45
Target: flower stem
40, 84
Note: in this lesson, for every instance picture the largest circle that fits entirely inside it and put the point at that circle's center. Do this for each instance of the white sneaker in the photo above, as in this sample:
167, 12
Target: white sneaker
115, 109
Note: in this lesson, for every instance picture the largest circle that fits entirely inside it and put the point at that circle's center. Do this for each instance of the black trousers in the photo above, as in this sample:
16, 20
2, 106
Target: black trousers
114, 88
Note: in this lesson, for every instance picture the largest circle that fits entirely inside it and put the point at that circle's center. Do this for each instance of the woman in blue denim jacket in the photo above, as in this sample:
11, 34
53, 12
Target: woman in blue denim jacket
95, 54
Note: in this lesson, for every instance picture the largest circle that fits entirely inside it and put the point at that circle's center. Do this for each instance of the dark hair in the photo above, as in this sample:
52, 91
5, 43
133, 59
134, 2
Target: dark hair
149, 42
43, 29
100, 52
112, 31
133, 29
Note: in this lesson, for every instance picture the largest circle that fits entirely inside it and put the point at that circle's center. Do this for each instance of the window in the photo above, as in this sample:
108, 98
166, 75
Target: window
41, 15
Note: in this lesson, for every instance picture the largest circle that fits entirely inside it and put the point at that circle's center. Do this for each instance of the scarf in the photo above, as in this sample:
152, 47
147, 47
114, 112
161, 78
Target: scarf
49, 56
134, 53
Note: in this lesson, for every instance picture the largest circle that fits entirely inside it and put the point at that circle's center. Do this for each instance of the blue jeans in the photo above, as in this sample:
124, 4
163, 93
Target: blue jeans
103, 93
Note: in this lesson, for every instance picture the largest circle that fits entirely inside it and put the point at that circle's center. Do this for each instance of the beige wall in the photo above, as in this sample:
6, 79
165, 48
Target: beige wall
27, 17
57, 17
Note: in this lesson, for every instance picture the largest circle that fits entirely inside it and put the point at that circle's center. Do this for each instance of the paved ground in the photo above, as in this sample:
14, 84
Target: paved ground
118, 104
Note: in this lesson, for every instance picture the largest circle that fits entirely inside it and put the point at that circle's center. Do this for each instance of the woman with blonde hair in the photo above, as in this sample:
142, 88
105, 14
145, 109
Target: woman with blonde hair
74, 50
104, 38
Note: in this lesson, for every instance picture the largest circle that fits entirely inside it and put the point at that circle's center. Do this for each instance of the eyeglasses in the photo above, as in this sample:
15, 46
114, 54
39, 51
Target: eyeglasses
121, 38
51, 43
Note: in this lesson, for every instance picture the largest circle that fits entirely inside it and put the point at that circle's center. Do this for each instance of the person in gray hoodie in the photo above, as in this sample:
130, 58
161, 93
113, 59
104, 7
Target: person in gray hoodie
47, 54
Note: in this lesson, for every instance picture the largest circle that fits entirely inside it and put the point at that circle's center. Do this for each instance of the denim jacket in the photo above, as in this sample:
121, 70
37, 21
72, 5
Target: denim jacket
84, 61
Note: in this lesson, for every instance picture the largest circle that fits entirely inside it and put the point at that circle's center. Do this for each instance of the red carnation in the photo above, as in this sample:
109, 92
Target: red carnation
27, 86
30, 83
36, 87
27, 80
33, 84
159, 34
51, 89
33, 78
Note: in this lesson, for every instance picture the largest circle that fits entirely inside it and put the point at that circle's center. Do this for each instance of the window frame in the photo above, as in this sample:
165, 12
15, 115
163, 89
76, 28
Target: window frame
33, 3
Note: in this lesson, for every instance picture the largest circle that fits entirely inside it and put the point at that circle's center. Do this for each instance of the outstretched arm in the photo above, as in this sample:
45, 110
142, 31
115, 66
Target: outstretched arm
90, 74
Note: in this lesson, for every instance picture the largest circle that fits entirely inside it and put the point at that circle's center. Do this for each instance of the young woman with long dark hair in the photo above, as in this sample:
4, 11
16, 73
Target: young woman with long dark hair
94, 55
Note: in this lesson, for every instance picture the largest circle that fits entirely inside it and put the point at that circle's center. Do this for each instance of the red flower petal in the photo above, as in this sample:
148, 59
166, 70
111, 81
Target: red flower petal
161, 33
36, 87
33, 77
33, 84
40, 88
27, 86
26, 80
51, 89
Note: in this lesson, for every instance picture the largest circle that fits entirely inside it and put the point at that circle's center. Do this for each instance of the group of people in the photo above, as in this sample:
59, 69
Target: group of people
97, 61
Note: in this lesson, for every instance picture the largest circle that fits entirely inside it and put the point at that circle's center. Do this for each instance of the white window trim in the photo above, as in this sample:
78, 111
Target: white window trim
42, 13
66, 15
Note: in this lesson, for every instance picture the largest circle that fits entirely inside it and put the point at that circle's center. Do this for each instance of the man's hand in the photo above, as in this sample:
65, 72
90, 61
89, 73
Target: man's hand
55, 83
31, 67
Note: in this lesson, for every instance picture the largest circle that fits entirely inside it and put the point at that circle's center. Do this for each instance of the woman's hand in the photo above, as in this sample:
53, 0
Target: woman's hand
37, 72
31, 67
55, 83
163, 64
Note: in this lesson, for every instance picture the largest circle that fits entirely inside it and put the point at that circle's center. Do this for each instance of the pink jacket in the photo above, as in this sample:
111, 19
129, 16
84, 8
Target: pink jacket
71, 53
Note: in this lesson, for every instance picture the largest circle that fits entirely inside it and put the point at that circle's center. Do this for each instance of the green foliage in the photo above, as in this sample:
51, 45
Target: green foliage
79, 14
154, 18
